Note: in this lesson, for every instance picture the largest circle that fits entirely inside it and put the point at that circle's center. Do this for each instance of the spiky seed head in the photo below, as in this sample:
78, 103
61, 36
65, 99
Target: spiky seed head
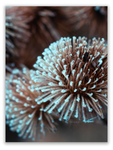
73, 74
23, 114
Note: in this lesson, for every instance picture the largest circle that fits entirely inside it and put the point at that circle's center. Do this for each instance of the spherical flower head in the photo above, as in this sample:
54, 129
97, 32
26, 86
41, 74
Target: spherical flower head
23, 114
73, 74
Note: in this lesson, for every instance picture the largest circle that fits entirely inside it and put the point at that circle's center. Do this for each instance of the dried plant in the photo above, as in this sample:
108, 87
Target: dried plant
88, 21
70, 82
17, 34
73, 74
23, 114
46, 25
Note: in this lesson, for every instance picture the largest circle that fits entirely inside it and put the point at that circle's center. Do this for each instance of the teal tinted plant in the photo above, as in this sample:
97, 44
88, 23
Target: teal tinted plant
23, 114
73, 74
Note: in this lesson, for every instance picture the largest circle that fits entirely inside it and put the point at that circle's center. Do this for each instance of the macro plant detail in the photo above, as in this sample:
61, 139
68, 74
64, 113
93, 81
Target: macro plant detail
23, 114
29, 26
73, 76
17, 34
89, 18
16, 27
53, 77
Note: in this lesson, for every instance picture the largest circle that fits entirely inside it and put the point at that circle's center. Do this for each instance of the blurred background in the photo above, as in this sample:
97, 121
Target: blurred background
78, 132
29, 30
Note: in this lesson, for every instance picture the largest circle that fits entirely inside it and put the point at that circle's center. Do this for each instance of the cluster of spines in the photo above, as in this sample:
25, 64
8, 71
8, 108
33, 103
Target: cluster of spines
23, 114
63, 71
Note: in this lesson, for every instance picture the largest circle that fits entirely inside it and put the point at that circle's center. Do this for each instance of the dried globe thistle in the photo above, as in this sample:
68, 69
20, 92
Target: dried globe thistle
47, 25
73, 74
17, 33
23, 114
88, 21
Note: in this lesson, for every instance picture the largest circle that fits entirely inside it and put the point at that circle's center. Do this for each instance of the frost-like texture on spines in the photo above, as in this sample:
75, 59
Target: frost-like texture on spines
73, 74
23, 114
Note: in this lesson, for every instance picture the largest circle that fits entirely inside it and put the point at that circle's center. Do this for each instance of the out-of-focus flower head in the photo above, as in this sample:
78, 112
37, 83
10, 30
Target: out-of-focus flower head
73, 74
90, 21
17, 34
46, 25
